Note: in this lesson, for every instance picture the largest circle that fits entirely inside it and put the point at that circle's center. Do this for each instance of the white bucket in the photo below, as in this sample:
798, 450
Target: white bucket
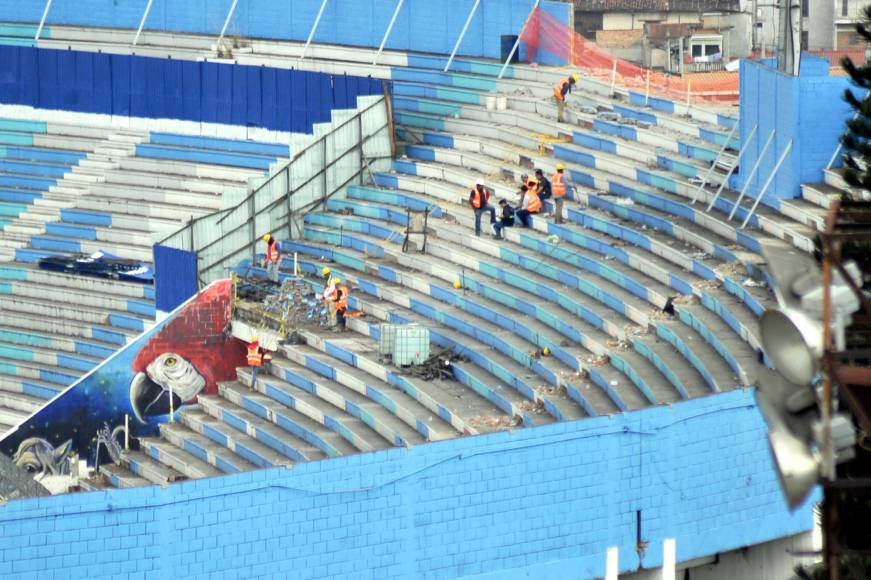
501, 103
490, 102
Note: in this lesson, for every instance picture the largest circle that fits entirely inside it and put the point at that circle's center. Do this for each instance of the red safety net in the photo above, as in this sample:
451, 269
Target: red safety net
544, 33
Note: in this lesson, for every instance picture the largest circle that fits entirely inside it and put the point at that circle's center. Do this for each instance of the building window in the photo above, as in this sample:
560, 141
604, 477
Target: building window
845, 7
806, 8
804, 39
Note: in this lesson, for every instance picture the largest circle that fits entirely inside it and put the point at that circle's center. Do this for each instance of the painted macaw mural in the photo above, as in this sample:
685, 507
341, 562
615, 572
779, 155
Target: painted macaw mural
184, 356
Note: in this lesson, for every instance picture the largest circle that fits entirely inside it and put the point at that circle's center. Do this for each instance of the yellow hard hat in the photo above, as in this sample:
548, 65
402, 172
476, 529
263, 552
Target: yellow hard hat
577, 77
546, 351
337, 280
325, 272
254, 339
458, 284
560, 166
267, 237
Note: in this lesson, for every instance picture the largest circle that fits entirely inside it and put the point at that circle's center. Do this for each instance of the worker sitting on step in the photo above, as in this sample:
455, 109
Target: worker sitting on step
543, 189
256, 357
273, 257
479, 199
529, 204
506, 220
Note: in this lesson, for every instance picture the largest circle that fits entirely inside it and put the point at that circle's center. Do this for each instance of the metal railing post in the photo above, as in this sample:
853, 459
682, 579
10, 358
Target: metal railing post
834, 155
517, 42
767, 183
42, 20
227, 22
732, 169
714, 164
314, 28
752, 173
142, 22
462, 34
388, 31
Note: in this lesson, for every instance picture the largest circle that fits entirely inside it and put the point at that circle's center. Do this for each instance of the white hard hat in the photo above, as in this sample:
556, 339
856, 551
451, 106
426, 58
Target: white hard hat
480, 182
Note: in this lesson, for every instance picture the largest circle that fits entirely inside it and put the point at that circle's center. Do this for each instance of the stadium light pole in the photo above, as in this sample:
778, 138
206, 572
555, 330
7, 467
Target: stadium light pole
142, 22
314, 28
517, 42
227, 22
462, 34
42, 20
388, 31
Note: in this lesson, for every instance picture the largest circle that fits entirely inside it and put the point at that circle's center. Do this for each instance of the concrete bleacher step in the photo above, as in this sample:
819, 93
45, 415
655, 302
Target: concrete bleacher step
203, 449
419, 406
53, 326
237, 442
20, 403
10, 418
29, 353
328, 441
121, 477
337, 419
386, 423
234, 423
143, 465
28, 370
176, 458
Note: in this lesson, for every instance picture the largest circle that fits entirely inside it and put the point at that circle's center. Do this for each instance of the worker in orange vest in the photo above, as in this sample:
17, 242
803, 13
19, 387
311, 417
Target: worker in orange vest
560, 91
559, 187
341, 302
256, 357
529, 204
273, 257
479, 199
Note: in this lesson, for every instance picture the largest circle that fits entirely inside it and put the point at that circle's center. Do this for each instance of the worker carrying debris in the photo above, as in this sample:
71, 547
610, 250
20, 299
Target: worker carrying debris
560, 91
273, 257
256, 357
340, 306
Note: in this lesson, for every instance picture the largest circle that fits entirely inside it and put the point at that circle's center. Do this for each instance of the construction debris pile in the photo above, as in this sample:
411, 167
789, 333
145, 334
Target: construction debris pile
292, 305
438, 366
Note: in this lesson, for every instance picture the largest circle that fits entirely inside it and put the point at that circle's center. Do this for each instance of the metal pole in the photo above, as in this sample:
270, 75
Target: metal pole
389, 29
834, 156
171, 406
227, 22
142, 22
669, 559
612, 563
462, 34
314, 28
647, 90
517, 43
752, 173
767, 183
126, 432
714, 164
613, 76
734, 165
42, 20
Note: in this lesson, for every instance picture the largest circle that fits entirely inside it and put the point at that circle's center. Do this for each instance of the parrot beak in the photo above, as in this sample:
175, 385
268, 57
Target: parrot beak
149, 399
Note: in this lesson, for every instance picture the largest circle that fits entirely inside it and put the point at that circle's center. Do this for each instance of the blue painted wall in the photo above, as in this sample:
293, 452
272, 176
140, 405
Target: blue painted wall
111, 84
542, 503
809, 110
422, 25
175, 277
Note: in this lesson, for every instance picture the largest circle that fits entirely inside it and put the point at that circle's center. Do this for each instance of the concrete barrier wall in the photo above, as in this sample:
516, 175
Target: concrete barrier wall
422, 25
542, 503
808, 110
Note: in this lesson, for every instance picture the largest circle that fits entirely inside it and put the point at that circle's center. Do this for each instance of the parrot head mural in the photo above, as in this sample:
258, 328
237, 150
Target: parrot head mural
168, 367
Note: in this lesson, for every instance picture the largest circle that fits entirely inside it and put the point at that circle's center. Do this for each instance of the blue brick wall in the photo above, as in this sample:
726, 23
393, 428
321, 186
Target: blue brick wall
809, 110
422, 25
543, 502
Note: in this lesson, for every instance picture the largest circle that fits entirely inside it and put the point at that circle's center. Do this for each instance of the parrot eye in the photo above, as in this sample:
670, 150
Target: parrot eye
170, 362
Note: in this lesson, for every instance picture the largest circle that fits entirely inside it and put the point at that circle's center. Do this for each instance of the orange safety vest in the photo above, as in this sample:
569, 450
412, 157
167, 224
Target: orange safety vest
342, 303
255, 355
558, 184
479, 200
534, 202
558, 89
272, 253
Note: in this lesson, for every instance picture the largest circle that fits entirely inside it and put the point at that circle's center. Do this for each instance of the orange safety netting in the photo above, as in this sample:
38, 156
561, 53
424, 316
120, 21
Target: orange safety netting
544, 33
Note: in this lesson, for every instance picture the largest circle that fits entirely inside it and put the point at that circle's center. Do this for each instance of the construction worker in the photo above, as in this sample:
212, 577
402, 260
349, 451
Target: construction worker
559, 188
329, 294
479, 200
560, 91
256, 357
506, 219
529, 182
273, 257
543, 189
529, 204
341, 302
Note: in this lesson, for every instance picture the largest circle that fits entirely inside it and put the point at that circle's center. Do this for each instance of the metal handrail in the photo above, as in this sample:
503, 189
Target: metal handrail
714, 164
752, 173
725, 181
